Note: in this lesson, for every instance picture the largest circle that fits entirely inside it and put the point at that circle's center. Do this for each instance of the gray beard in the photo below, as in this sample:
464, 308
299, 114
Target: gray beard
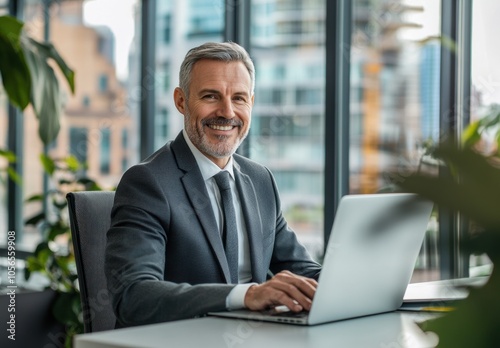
198, 138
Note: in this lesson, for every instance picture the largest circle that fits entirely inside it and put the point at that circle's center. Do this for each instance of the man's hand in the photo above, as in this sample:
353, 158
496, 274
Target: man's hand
285, 288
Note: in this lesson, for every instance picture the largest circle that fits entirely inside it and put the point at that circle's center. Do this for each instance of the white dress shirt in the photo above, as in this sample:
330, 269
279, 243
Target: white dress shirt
208, 169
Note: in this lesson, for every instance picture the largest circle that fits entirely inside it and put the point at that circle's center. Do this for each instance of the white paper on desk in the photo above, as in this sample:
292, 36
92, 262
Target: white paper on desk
437, 291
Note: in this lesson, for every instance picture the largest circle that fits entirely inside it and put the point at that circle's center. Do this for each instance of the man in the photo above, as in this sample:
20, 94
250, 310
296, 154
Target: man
166, 256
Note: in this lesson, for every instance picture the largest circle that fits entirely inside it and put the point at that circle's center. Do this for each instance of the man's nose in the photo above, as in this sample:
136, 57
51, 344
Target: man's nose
226, 108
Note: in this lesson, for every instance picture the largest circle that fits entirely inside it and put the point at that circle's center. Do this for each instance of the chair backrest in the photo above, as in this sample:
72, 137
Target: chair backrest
89, 215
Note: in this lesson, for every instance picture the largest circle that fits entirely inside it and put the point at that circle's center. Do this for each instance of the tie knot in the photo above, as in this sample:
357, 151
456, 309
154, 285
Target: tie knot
222, 180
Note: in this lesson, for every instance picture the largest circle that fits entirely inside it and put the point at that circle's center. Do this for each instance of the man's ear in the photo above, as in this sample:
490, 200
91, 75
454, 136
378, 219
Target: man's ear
180, 100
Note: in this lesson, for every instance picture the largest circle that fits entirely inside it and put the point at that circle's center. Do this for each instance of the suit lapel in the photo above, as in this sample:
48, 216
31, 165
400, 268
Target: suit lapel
197, 192
253, 222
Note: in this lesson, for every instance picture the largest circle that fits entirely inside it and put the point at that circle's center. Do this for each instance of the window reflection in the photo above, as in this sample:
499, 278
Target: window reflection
3, 165
288, 41
99, 114
180, 26
4, 126
394, 98
394, 87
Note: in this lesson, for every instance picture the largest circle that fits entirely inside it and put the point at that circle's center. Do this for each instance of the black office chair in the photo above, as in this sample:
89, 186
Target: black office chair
89, 215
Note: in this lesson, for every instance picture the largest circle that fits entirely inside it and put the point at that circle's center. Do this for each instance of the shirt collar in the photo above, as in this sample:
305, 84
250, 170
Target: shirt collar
207, 167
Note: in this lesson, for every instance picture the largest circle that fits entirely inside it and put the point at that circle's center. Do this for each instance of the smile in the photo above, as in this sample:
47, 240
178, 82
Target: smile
219, 127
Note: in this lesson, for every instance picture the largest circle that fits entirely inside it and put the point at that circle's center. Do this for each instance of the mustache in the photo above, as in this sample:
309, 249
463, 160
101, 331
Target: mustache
222, 121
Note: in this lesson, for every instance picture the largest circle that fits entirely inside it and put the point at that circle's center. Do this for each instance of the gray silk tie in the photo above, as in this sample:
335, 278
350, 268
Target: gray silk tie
229, 231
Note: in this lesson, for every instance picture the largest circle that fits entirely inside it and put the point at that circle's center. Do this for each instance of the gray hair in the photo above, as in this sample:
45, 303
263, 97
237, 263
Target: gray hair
221, 51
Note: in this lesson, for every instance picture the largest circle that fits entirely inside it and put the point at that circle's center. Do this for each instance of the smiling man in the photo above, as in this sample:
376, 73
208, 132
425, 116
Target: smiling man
218, 107
195, 227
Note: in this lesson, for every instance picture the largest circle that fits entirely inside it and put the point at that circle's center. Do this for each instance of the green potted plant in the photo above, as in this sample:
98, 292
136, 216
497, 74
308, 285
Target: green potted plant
54, 257
28, 77
474, 191
9, 157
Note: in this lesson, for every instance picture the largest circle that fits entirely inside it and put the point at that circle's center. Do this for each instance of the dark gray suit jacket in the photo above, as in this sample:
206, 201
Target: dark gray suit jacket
165, 259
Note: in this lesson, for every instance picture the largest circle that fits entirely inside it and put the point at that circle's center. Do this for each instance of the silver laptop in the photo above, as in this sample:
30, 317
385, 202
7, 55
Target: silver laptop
371, 254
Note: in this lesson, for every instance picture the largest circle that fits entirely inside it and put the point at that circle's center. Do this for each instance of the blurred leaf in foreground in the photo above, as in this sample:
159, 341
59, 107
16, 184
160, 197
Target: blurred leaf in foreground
476, 195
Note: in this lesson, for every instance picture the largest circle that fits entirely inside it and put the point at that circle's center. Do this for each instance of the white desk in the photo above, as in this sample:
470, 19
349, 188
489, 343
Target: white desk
389, 330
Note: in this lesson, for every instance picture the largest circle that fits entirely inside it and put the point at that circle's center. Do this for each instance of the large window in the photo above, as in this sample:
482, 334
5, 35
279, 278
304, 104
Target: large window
3, 162
187, 24
287, 127
97, 48
396, 86
105, 152
3, 165
394, 97
485, 90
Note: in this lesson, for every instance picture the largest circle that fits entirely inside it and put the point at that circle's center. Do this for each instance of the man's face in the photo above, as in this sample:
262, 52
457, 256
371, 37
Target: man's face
217, 113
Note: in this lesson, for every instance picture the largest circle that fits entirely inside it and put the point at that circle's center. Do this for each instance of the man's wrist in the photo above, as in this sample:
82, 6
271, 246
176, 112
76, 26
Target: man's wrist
236, 298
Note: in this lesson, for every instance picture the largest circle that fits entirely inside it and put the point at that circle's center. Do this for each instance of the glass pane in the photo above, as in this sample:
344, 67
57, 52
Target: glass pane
180, 25
287, 133
94, 38
4, 126
485, 92
395, 64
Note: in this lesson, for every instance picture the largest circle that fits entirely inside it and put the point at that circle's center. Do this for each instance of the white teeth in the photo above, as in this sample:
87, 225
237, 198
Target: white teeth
221, 128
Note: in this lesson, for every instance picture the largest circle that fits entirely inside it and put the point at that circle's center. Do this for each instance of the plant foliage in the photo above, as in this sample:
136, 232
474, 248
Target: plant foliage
28, 77
54, 257
9, 158
475, 193
477, 130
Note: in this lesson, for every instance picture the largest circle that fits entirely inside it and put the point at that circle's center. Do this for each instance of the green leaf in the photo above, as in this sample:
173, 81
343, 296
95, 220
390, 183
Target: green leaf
10, 27
28, 76
66, 307
50, 112
57, 230
471, 134
34, 220
72, 163
474, 322
49, 51
90, 185
497, 141
14, 70
14, 176
491, 120
35, 198
8, 155
448, 43
60, 205
27, 272
45, 97
41, 247
49, 165
33, 265
476, 194
66, 181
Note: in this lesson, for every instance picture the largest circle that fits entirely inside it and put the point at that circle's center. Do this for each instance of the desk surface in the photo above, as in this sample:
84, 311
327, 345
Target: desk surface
396, 329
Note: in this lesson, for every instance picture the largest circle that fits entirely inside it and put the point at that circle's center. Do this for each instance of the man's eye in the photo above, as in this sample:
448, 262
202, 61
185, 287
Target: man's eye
209, 96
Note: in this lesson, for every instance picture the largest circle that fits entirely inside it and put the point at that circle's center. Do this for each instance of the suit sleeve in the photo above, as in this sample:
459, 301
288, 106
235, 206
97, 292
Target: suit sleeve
135, 259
